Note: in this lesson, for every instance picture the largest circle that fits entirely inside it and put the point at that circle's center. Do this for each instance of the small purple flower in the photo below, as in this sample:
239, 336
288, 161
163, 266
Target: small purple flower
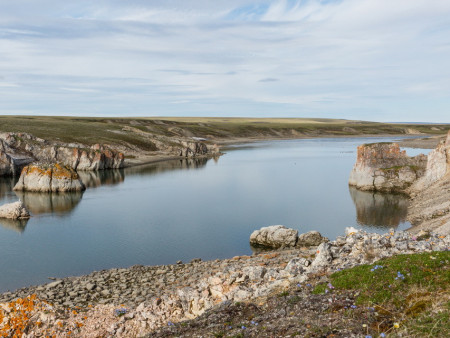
243, 327
299, 285
170, 324
330, 286
308, 285
382, 334
353, 306
326, 291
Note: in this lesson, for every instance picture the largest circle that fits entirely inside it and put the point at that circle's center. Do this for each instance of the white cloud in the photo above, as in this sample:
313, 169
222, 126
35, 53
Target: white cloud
283, 58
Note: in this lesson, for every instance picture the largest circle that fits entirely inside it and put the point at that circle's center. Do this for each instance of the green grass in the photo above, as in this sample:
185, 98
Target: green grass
89, 130
420, 301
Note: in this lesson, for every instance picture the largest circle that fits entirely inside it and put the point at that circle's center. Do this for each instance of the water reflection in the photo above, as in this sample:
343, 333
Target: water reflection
63, 204
156, 168
94, 179
379, 210
6, 185
18, 225
60, 204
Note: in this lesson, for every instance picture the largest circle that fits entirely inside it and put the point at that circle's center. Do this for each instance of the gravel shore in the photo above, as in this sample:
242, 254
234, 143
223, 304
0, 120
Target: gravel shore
135, 301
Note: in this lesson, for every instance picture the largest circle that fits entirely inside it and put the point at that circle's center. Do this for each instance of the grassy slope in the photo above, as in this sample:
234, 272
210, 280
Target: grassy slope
110, 130
408, 293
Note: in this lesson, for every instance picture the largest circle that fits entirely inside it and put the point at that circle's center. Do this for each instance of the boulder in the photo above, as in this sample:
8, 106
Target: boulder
49, 178
311, 238
384, 167
274, 236
14, 210
323, 258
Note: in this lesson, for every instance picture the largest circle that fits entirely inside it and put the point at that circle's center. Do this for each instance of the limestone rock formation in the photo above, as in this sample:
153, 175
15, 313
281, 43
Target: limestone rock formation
384, 167
274, 236
97, 157
20, 149
196, 149
437, 167
311, 238
14, 210
49, 178
10, 162
430, 205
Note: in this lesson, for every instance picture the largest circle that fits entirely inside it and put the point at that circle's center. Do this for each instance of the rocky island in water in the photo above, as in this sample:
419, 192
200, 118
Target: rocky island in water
293, 284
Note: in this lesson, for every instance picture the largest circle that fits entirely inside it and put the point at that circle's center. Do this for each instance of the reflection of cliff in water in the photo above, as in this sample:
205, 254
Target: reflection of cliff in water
6, 185
54, 203
379, 210
94, 179
18, 225
159, 167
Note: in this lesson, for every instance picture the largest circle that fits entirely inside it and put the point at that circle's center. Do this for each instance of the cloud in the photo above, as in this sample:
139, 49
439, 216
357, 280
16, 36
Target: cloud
268, 79
361, 59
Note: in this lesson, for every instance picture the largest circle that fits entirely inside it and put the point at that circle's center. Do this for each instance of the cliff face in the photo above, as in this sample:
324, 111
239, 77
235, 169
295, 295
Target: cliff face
10, 162
438, 166
20, 149
384, 167
430, 203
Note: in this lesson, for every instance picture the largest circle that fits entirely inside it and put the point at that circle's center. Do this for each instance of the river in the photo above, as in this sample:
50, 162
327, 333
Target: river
179, 210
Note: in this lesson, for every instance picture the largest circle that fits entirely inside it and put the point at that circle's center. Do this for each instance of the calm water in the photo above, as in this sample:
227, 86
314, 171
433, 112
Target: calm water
160, 213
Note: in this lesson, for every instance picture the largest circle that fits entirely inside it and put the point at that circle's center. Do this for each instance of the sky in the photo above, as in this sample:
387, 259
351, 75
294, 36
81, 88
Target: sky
377, 60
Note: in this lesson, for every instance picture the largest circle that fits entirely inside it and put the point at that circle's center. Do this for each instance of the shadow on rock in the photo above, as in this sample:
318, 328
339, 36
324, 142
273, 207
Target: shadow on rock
45, 203
18, 225
379, 209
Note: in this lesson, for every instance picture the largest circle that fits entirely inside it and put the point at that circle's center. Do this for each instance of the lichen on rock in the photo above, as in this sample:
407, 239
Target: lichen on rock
49, 178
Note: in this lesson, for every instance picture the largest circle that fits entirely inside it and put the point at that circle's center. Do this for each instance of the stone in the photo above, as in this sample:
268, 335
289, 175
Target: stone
384, 167
14, 210
350, 230
274, 236
49, 178
323, 257
311, 238
297, 266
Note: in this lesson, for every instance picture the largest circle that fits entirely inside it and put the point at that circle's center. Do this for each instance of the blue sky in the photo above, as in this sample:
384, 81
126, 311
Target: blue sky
378, 60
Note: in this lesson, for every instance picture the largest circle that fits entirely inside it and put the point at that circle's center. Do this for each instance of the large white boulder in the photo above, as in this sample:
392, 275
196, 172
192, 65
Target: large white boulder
14, 210
274, 236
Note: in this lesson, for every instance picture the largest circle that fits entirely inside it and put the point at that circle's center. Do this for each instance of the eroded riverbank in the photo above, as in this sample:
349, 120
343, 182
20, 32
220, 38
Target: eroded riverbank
151, 297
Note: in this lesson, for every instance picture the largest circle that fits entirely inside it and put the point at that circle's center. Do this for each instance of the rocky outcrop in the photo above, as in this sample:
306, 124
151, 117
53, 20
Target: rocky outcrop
10, 162
311, 238
274, 236
197, 149
384, 167
20, 149
49, 178
14, 210
438, 166
97, 157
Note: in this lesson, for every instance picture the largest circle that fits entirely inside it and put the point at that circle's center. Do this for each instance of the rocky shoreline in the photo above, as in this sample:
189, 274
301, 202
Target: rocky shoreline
134, 301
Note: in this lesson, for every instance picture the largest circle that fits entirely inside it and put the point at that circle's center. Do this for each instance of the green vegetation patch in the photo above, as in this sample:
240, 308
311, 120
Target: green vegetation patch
412, 290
